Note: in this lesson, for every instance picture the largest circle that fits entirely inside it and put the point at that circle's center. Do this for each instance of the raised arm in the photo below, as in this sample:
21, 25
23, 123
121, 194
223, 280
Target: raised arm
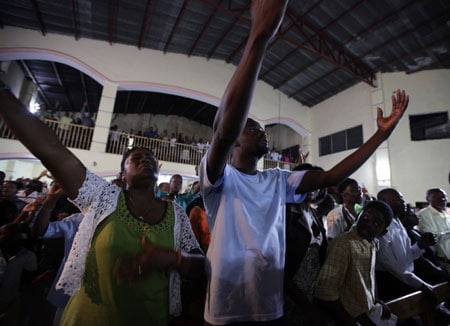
43, 216
42, 142
316, 179
235, 105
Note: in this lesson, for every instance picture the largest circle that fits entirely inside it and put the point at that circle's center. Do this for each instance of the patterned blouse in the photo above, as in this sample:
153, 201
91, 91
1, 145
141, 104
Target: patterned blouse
97, 199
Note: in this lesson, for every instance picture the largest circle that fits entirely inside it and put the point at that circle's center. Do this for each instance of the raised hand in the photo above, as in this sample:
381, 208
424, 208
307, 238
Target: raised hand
30, 207
301, 155
55, 190
267, 16
399, 104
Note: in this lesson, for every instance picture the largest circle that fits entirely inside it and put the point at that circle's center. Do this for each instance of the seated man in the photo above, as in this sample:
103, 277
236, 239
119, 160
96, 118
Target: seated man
435, 219
345, 287
395, 258
343, 217
410, 221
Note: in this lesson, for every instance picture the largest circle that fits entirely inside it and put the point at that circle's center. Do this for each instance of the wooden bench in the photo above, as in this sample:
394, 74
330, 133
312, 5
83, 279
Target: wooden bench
412, 304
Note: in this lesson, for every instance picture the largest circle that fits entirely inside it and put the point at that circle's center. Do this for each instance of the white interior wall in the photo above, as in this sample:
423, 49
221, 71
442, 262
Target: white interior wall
419, 165
281, 137
348, 109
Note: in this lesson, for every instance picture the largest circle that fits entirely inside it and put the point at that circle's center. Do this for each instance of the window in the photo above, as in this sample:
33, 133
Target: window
341, 141
429, 126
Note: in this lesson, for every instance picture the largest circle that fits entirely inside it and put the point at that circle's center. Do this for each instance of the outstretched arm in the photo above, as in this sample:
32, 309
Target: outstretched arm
42, 143
317, 179
235, 105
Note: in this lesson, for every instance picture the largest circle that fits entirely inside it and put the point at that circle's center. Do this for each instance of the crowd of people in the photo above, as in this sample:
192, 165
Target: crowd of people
240, 247
57, 113
116, 136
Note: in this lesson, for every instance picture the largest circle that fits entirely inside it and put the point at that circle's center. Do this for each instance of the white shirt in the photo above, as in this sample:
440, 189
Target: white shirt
245, 259
336, 223
431, 220
396, 255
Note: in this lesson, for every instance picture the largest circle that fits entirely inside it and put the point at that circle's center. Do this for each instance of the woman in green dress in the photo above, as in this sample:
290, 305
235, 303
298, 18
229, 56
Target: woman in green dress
131, 248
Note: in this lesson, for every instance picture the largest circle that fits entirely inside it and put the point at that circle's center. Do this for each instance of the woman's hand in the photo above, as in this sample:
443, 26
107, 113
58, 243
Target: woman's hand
152, 258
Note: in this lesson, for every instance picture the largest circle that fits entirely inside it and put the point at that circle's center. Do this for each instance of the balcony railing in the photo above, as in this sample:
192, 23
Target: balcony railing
164, 150
270, 164
76, 136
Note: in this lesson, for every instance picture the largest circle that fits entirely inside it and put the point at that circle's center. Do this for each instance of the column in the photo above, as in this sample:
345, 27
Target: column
104, 116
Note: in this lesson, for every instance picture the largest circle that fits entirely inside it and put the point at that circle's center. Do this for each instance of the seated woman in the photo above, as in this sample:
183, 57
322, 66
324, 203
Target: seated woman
126, 260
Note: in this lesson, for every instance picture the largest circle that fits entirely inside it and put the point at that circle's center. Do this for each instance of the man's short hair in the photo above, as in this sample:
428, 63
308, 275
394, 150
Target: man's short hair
342, 185
383, 208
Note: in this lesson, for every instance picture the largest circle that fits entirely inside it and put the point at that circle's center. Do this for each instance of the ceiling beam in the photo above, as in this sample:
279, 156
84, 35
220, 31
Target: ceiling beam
312, 83
75, 19
192, 103
175, 26
39, 16
61, 84
144, 23
142, 102
284, 32
83, 83
237, 13
365, 31
343, 14
199, 111
224, 35
275, 65
205, 26
319, 44
127, 102
111, 21
35, 81
281, 32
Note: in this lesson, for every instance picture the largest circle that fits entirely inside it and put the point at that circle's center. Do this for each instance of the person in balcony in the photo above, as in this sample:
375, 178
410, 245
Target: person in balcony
87, 120
131, 248
152, 132
64, 127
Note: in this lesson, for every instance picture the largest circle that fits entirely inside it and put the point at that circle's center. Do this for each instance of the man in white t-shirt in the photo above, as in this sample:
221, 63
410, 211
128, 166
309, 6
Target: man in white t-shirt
245, 207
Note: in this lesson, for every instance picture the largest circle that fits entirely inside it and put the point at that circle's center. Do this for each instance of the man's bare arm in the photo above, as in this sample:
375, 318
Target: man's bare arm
235, 105
316, 179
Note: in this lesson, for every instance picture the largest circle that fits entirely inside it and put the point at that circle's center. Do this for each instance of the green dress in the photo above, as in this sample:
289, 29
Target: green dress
100, 300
